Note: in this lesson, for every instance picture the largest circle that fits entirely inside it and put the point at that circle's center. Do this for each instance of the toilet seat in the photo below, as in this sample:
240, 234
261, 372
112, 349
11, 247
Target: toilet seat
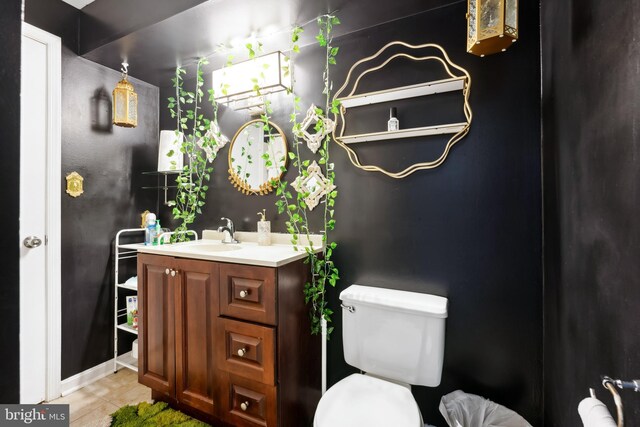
362, 400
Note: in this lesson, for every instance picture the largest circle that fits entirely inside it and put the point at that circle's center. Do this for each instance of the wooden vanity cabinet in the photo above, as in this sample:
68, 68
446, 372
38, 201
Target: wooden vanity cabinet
228, 343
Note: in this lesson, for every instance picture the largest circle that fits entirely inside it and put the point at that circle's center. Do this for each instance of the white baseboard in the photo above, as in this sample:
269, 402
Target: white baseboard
87, 377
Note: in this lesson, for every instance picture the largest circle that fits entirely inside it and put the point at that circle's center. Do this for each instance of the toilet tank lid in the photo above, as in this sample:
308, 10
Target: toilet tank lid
395, 299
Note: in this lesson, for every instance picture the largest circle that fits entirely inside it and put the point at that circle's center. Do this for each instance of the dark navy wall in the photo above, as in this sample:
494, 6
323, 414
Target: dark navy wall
469, 230
10, 23
591, 117
111, 162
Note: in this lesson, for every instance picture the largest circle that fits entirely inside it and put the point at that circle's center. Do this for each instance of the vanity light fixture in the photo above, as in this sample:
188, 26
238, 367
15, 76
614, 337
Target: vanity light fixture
235, 85
492, 26
125, 101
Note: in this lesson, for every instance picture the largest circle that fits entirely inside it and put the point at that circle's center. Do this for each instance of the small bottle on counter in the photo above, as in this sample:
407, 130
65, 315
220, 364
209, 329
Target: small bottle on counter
264, 230
158, 231
393, 124
150, 231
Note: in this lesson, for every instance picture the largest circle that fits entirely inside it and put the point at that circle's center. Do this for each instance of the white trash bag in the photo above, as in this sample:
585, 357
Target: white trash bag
460, 409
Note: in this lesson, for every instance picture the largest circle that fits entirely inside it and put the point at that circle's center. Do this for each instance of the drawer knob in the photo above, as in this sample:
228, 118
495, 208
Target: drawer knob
244, 294
242, 352
244, 405
167, 271
173, 273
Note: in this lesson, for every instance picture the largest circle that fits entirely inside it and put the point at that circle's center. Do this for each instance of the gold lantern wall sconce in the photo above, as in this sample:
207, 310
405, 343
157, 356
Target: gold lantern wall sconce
125, 101
492, 26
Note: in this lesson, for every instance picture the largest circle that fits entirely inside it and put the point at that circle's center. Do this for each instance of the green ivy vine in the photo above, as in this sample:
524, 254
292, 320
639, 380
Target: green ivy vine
201, 140
324, 272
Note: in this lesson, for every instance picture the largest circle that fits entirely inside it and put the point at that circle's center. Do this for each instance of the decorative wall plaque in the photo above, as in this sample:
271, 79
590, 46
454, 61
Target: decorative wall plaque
314, 140
74, 184
315, 185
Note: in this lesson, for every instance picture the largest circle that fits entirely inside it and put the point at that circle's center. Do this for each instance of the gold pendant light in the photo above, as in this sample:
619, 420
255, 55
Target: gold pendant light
492, 25
125, 102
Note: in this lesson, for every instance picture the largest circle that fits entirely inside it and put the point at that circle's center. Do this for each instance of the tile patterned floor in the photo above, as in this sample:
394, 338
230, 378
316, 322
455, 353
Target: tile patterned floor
91, 405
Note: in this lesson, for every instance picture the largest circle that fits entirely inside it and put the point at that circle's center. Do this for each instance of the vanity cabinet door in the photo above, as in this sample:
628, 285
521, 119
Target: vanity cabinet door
196, 305
156, 367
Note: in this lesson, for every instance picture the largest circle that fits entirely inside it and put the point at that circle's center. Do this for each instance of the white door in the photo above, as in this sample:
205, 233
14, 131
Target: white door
37, 130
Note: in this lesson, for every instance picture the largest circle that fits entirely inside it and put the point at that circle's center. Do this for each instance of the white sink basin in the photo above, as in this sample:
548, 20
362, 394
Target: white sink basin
208, 247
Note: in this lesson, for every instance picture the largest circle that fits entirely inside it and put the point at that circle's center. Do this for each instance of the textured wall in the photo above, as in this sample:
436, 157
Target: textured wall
110, 162
10, 193
591, 119
469, 230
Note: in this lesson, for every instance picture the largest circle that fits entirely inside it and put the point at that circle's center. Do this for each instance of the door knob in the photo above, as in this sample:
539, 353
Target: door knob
173, 273
242, 352
167, 271
244, 405
32, 242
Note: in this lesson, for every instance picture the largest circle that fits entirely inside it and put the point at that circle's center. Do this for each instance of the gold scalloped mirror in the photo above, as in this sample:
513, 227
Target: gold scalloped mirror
257, 155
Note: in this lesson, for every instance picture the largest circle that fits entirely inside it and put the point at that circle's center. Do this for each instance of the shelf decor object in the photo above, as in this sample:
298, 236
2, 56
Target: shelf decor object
170, 158
314, 184
314, 140
217, 137
240, 82
492, 26
458, 79
125, 101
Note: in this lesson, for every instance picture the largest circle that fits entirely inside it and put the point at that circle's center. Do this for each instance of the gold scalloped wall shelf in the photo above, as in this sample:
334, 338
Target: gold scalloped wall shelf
458, 79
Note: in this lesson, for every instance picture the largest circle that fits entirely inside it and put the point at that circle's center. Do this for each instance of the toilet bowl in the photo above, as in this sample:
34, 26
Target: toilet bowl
397, 338
362, 400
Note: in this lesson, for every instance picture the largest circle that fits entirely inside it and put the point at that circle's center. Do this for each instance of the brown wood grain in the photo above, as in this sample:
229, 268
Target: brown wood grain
155, 324
258, 362
262, 409
193, 324
299, 352
259, 305
196, 308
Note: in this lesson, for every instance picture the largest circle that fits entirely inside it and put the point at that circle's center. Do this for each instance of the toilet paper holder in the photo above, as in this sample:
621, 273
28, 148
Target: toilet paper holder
611, 384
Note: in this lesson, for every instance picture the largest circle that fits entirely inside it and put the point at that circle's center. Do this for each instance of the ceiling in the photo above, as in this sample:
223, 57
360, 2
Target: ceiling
217, 28
79, 4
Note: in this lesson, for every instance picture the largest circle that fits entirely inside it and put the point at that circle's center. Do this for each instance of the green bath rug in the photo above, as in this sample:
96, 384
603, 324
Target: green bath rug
157, 414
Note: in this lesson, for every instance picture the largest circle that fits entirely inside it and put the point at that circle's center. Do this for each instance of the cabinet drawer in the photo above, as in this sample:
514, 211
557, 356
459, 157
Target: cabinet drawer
248, 403
246, 350
248, 293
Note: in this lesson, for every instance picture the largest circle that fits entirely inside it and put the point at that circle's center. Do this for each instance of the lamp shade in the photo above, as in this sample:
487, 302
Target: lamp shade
170, 158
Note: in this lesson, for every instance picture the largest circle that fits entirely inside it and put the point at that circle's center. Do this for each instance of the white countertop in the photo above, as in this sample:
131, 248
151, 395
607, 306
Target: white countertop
246, 252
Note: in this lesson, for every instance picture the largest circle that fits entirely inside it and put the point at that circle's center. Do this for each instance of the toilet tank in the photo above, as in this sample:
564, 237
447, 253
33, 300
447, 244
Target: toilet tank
393, 334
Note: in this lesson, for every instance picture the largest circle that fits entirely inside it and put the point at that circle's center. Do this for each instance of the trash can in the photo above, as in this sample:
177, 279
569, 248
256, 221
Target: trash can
461, 409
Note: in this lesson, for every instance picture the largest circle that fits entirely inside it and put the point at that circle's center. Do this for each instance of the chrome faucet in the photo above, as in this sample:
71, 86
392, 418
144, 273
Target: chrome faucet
230, 229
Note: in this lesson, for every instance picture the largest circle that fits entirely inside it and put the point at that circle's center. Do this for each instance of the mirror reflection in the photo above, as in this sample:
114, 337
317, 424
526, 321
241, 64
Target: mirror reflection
256, 157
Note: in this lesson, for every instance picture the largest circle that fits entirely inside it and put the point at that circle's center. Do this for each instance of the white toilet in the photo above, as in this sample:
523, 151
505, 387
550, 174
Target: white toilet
397, 338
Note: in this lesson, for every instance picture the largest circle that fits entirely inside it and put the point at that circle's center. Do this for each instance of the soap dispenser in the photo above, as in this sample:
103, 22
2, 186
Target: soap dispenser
264, 230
